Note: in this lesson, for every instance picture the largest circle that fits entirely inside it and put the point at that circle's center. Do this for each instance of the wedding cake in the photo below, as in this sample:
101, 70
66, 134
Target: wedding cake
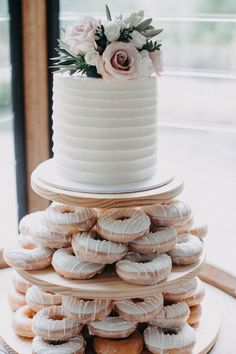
105, 101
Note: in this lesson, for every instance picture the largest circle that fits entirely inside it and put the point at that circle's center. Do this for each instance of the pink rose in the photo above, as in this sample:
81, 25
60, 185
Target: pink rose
119, 61
81, 36
156, 60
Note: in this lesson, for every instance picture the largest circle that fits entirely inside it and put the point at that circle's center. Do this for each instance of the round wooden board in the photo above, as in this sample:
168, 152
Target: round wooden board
3, 264
108, 285
105, 200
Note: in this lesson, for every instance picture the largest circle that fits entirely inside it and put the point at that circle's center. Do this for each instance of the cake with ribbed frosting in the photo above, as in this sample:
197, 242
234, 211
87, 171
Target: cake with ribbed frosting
105, 102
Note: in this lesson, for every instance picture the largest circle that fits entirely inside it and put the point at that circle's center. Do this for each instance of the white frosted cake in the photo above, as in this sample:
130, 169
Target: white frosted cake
105, 132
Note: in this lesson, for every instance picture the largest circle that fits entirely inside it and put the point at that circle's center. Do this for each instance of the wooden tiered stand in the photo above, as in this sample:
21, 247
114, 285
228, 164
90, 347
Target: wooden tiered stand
108, 284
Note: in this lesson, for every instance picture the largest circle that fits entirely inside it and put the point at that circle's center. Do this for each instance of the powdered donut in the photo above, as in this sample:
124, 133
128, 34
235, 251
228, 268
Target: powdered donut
16, 299
37, 299
123, 225
20, 284
22, 322
29, 220
195, 314
133, 344
67, 219
181, 292
75, 345
161, 241
27, 255
140, 311
85, 311
90, 249
171, 316
52, 325
199, 230
197, 295
179, 342
187, 250
69, 266
112, 327
144, 269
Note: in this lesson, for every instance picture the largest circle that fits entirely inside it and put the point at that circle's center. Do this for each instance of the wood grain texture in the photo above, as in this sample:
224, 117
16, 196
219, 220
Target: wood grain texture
35, 90
3, 264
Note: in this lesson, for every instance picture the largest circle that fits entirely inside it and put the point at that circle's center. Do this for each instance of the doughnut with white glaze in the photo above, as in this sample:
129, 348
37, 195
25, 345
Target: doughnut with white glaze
112, 327
20, 284
196, 296
195, 314
75, 345
37, 299
199, 230
181, 292
16, 299
22, 322
187, 250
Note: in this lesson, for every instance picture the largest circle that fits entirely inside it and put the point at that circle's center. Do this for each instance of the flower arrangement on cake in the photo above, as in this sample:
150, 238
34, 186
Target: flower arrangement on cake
120, 48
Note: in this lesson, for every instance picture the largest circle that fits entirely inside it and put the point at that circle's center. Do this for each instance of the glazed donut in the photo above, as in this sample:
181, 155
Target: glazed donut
161, 241
29, 220
144, 269
132, 345
185, 226
123, 225
112, 327
16, 299
52, 325
199, 230
20, 284
27, 255
67, 219
140, 311
197, 295
37, 299
69, 266
181, 292
187, 250
90, 249
85, 311
195, 314
22, 322
180, 341
170, 213
171, 316
75, 345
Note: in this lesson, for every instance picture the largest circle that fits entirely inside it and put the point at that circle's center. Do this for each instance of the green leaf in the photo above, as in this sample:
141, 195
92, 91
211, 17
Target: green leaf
108, 13
152, 33
144, 24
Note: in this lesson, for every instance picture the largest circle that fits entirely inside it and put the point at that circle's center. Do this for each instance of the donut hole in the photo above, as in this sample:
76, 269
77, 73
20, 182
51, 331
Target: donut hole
56, 317
67, 211
30, 313
29, 246
169, 302
122, 218
171, 331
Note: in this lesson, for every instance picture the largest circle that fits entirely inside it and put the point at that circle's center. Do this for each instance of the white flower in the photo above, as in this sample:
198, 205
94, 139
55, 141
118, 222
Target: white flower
146, 65
91, 57
135, 18
138, 40
112, 31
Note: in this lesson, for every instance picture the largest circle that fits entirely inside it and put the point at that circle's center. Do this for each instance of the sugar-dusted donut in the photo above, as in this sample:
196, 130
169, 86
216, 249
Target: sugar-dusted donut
123, 225
16, 299
171, 316
37, 299
69, 266
179, 341
144, 269
197, 295
20, 284
27, 255
22, 322
112, 327
29, 220
91, 249
187, 250
85, 311
181, 292
75, 345
160, 241
67, 219
140, 311
195, 314
199, 230
52, 325
132, 344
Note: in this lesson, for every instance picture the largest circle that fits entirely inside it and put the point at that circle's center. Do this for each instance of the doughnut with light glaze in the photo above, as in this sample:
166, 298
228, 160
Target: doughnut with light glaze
90, 249
37, 299
123, 225
187, 250
197, 295
85, 311
171, 316
195, 314
67, 219
69, 266
20, 284
112, 327
181, 292
29, 220
16, 299
158, 341
144, 269
27, 255
52, 325
199, 230
185, 226
75, 345
132, 344
140, 311
160, 241
22, 322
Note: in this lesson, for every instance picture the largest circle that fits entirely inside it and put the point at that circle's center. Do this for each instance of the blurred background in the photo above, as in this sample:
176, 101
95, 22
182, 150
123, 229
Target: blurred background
197, 108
